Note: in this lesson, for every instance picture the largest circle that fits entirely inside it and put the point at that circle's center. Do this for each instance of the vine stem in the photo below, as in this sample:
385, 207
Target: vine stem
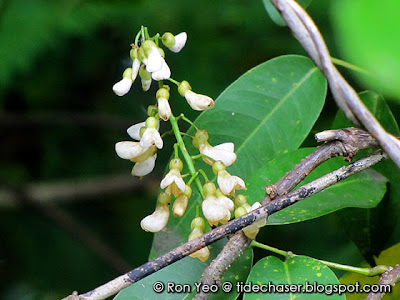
363, 271
186, 155
305, 30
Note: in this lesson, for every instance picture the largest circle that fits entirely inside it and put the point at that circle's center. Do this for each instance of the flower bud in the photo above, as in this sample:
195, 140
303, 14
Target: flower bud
183, 87
200, 138
209, 188
164, 199
181, 202
218, 166
240, 211
151, 122
176, 164
162, 93
168, 39
240, 200
198, 222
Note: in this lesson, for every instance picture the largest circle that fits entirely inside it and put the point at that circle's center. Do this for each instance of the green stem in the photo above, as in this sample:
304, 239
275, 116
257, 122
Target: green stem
204, 175
176, 146
186, 156
174, 81
363, 271
193, 178
188, 121
194, 157
138, 36
350, 66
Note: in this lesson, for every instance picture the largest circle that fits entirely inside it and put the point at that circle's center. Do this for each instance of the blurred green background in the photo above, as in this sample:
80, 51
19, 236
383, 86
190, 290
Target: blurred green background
59, 122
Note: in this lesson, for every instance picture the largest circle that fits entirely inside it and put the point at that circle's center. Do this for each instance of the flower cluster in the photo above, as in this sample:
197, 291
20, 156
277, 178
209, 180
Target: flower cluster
148, 61
216, 205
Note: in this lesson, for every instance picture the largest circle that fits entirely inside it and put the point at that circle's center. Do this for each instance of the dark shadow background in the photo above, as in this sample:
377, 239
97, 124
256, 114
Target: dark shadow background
59, 122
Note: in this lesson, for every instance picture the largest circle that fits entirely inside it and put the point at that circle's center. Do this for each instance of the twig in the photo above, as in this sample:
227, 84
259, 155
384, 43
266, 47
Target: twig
346, 142
347, 99
68, 223
216, 234
390, 277
75, 190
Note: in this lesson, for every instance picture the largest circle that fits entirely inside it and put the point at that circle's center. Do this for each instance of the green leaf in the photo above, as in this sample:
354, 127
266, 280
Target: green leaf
274, 14
303, 271
370, 229
364, 189
388, 257
369, 44
178, 276
285, 94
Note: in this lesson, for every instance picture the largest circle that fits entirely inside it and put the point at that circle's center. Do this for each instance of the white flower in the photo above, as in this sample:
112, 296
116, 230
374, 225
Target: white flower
198, 101
226, 202
180, 41
150, 137
154, 60
229, 183
164, 110
123, 86
203, 253
163, 73
215, 211
223, 152
145, 167
129, 150
135, 68
173, 180
157, 220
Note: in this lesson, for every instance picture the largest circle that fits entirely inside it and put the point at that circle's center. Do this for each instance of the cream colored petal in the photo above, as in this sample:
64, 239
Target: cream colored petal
122, 87
135, 68
150, 137
198, 102
163, 73
157, 220
180, 205
180, 41
154, 60
219, 153
180, 183
129, 150
229, 147
226, 182
144, 168
169, 178
227, 203
134, 130
164, 110
214, 212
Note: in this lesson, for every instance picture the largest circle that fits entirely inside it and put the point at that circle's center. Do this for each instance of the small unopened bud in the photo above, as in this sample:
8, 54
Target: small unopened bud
176, 164
200, 138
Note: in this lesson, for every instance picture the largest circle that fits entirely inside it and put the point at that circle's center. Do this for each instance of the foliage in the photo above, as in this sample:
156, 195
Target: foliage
371, 45
60, 121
